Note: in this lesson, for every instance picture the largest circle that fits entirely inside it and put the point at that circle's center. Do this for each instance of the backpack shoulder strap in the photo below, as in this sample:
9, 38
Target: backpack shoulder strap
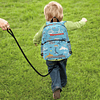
55, 23
63, 22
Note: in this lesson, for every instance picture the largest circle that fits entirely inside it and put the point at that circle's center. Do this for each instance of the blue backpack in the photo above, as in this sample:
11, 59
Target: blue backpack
55, 42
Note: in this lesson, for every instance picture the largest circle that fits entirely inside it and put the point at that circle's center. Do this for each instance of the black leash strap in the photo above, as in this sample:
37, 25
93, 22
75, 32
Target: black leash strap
11, 33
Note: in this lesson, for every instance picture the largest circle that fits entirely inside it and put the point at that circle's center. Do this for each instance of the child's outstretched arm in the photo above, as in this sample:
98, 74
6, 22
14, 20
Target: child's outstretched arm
75, 25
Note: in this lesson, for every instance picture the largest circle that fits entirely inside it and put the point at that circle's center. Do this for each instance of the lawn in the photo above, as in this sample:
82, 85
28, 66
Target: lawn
18, 81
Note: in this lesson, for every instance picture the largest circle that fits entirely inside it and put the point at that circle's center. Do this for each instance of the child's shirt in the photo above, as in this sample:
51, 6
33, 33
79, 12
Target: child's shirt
69, 25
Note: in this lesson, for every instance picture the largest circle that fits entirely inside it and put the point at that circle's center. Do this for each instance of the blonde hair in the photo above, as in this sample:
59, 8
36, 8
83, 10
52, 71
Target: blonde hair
53, 9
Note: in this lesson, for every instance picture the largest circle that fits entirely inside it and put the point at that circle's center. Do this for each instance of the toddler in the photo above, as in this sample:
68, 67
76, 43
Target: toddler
58, 74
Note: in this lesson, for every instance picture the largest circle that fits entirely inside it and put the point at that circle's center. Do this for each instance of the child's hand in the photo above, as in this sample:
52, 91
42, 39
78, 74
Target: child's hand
35, 44
84, 19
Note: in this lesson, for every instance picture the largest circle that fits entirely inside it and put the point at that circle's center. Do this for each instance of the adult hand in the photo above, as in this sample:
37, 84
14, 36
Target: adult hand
4, 24
84, 19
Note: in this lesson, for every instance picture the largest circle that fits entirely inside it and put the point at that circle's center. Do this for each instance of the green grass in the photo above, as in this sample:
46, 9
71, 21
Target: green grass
18, 81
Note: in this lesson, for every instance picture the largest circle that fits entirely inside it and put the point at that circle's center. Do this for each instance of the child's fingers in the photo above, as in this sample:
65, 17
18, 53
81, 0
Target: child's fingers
84, 19
35, 44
